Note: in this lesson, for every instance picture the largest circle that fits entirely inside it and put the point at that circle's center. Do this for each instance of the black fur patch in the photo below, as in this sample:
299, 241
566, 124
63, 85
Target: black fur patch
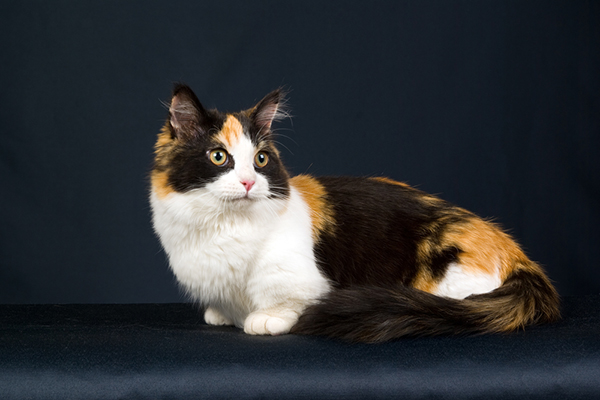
190, 166
277, 176
440, 259
378, 228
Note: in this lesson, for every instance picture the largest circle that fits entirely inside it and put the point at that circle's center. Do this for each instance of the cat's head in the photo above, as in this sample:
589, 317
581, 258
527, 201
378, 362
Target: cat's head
228, 157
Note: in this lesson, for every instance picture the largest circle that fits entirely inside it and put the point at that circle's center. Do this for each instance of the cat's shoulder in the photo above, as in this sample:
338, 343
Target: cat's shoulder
357, 187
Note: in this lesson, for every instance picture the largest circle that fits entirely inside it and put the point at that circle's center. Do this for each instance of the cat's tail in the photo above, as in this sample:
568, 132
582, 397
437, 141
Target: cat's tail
373, 314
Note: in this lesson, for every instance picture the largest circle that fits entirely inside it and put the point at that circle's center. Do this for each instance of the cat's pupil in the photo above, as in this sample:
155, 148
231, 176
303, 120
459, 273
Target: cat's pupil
218, 156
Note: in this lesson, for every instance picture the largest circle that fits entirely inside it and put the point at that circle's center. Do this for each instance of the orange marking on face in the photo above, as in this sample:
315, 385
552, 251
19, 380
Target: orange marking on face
160, 184
314, 194
230, 132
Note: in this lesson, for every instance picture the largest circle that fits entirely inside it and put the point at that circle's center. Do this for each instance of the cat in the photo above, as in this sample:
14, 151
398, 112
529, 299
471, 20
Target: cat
359, 259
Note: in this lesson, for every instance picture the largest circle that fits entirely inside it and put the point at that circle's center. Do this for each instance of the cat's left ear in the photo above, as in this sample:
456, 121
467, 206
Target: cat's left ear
270, 108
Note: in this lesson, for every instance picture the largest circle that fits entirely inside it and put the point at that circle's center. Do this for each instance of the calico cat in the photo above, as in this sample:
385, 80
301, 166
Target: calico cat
362, 259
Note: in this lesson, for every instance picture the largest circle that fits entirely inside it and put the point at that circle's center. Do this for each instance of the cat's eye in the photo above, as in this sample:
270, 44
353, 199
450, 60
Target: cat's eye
218, 157
261, 159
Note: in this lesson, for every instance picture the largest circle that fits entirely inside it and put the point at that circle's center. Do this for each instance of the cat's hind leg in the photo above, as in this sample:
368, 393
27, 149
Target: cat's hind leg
270, 322
214, 317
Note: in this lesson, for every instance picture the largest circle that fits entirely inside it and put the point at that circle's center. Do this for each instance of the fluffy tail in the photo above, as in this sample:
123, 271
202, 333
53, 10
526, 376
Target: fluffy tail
372, 314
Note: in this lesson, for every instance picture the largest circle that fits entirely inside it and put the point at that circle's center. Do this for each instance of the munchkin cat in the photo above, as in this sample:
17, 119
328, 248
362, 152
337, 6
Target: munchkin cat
361, 259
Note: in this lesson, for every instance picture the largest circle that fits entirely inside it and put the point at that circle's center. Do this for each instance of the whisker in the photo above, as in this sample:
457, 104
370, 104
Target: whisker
277, 134
165, 104
283, 145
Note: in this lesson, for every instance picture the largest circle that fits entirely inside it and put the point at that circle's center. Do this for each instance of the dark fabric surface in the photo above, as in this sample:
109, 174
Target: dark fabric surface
166, 351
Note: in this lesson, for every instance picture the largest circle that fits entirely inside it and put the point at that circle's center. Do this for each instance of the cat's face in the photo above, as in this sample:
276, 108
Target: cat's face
226, 158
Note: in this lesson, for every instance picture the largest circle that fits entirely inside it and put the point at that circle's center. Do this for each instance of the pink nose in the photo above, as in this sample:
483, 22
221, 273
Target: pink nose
248, 185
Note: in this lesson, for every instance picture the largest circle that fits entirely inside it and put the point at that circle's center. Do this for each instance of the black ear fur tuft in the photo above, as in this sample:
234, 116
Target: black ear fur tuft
270, 108
186, 113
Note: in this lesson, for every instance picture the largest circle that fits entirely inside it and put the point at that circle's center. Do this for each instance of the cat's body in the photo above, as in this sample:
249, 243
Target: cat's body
365, 259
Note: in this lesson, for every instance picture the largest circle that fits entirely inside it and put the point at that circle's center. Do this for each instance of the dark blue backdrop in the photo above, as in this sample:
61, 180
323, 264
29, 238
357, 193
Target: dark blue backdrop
492, 105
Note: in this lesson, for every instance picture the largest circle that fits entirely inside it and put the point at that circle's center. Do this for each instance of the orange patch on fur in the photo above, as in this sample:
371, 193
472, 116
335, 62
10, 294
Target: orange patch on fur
431, 200
389, 181
164, 137
230, 132
486, 248
160, 184
424, 281
321, 212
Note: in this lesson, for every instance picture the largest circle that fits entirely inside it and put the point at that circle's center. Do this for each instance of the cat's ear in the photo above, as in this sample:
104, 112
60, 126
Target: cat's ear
270, 108
186, 114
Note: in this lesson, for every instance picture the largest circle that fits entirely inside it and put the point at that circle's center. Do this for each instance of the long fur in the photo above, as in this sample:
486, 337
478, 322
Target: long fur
375, 314
361, 259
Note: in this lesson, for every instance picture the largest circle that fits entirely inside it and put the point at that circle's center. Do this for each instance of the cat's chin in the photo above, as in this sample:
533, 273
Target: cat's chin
242, 200
245, 204
246, 198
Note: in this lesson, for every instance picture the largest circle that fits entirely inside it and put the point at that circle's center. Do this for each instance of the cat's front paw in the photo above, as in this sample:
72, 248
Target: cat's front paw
213, 317
259, 323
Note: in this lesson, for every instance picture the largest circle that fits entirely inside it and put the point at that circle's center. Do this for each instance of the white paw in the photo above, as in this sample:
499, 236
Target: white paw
265, 324
213, 317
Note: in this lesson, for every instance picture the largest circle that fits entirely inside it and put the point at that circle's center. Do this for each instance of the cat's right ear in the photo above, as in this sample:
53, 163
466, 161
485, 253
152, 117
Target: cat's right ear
271, 108
186, 114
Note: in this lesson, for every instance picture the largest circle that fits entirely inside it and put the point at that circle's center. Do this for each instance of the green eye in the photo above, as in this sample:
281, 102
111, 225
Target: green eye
261, 159
218, 157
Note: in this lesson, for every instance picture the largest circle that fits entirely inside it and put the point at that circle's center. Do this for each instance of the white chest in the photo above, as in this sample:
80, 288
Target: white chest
211, 257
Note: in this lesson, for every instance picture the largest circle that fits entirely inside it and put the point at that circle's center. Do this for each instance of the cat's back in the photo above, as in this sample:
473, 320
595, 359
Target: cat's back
382, 207
375, 226
379, 195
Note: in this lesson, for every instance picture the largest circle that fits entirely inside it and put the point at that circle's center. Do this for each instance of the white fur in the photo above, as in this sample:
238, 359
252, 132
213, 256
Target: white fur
459, 283
246, 257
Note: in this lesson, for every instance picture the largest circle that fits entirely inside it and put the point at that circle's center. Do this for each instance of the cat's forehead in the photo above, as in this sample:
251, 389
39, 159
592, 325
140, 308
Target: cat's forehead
231, 131
237, 128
